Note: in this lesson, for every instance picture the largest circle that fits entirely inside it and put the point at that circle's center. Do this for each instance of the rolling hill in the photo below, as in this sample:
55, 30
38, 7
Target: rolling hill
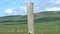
45, 23
46, 16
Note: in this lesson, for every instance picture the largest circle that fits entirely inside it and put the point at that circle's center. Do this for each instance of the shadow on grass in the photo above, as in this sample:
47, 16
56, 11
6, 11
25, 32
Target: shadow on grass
47, 19
41, 20
14, 23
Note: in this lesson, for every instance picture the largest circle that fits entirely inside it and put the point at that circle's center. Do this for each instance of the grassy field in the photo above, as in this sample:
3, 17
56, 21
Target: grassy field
40, 28
45, 23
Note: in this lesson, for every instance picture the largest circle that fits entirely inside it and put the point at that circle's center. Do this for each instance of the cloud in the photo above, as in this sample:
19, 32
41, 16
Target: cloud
55, 1
52, 9
8, 11
23, 8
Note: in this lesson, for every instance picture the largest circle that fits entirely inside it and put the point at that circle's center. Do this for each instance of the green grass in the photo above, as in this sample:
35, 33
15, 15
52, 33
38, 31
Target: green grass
40, 28
45, 23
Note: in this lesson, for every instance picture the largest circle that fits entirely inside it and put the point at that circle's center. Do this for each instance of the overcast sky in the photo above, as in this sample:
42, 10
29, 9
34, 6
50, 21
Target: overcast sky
18, 7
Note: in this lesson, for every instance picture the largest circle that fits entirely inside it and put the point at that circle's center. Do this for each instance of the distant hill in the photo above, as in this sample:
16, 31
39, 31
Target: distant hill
40, 17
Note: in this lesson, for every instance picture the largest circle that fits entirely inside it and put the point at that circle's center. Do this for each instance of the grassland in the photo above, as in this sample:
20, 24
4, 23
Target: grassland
46, 28
45, 23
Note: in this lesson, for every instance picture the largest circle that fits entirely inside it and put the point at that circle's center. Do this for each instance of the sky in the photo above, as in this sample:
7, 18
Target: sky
18, 7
